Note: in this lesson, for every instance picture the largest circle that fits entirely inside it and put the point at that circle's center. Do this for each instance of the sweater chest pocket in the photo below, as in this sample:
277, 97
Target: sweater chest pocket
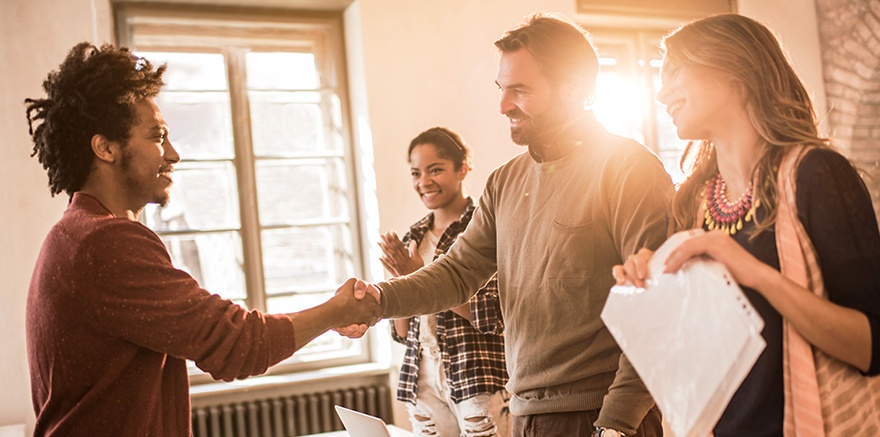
571, 249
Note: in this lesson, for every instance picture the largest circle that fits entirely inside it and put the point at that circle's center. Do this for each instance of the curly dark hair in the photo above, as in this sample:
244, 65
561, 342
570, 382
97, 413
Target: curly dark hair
92, 92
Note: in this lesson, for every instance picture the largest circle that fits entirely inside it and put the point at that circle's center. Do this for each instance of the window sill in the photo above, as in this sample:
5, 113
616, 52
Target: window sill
332, 378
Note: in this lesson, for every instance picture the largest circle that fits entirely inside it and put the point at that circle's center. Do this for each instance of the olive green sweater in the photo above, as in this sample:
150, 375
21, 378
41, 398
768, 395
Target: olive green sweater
553, 230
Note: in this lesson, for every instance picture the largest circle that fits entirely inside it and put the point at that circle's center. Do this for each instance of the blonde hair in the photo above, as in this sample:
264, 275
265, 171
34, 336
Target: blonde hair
777, 104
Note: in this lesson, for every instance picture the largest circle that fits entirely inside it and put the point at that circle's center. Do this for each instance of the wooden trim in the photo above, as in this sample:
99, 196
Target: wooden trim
245, 171
213, 392
298, 5
652, 8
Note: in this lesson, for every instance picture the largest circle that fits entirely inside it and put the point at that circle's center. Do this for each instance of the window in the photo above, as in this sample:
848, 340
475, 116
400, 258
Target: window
627, 86
264, 207
629, 67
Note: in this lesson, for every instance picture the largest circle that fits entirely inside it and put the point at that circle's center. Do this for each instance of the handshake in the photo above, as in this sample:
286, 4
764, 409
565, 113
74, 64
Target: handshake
355, 313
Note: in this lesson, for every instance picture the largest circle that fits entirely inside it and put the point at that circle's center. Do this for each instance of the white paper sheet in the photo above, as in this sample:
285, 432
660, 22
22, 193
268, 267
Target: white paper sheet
692, 336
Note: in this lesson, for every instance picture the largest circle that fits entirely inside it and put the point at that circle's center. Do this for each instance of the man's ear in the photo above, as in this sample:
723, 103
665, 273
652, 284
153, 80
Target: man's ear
104, 149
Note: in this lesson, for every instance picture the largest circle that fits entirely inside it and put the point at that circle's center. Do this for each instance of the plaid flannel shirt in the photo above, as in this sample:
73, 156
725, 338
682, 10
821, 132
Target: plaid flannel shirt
472, 352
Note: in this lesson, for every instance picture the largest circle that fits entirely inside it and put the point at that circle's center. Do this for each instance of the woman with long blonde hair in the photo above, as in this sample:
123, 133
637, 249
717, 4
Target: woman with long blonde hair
730, 89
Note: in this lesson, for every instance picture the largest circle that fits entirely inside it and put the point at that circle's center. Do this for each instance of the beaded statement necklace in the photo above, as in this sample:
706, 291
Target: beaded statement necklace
721, 213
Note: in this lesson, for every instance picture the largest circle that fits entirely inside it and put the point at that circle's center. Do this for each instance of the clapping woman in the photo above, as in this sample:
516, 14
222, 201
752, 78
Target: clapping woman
453, 374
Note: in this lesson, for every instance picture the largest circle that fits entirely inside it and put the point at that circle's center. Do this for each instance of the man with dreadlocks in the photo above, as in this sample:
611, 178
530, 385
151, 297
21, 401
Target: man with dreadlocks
110, 321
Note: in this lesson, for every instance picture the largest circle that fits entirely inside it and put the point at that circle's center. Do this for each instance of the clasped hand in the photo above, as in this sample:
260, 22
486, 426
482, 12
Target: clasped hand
353, 310
359, 289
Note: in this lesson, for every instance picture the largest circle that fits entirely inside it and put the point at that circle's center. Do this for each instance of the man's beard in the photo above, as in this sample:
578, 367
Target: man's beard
521, 135
135, 185
540, 129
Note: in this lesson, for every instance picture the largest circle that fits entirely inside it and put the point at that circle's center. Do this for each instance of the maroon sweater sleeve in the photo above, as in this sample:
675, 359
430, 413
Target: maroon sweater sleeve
110, 320
137, 295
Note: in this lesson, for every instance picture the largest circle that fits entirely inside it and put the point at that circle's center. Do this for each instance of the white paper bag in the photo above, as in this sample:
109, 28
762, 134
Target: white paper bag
692, 336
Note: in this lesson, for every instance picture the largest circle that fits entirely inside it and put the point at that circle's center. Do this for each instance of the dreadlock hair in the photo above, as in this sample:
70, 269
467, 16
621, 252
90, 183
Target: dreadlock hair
93, 92
777, 104
449, 145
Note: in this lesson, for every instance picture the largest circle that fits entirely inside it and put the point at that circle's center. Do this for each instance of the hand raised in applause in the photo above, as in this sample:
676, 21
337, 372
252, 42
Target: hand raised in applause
399, 259
358, 290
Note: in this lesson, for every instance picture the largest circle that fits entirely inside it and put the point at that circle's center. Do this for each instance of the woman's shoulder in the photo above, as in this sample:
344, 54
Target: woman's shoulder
820, 166
829, 184
824, 158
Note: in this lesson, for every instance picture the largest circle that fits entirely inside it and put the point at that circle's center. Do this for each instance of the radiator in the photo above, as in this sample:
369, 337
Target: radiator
286, 416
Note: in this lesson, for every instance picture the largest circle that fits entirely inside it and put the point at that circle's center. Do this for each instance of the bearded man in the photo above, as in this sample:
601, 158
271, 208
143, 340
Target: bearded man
553, 221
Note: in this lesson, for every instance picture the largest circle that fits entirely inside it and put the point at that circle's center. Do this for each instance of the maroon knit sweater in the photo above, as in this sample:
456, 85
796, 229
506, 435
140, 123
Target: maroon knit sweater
110, 323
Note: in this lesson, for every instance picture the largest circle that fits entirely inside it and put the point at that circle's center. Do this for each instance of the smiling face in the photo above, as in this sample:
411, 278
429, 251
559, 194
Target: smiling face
700, 100
147, 158
435, 179
528, 99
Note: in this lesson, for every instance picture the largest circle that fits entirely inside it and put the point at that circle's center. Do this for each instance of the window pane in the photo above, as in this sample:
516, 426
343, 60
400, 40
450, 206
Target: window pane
328, 345
291, 190
619, 93
303, 259
302, 301
195, 103
669, 145
288, 123
627, 85
200, 123
281, 71
204, 196
190, 71
213, 259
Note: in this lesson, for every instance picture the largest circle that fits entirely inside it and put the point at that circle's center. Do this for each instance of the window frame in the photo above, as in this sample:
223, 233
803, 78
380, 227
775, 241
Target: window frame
642, 50
182, 28
682, 10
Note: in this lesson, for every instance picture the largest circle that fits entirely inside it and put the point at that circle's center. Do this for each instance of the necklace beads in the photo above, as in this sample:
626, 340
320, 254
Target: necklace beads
721, 213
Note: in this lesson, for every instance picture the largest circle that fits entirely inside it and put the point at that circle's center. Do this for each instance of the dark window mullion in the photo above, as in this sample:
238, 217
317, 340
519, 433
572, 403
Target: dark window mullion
247, 189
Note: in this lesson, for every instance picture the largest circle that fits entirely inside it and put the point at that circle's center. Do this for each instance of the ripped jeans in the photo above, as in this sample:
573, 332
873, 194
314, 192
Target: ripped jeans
435, 414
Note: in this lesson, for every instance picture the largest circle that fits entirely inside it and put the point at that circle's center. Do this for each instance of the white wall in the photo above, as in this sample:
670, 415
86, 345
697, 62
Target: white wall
433, 62
794, 22
422, 63
34, 37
